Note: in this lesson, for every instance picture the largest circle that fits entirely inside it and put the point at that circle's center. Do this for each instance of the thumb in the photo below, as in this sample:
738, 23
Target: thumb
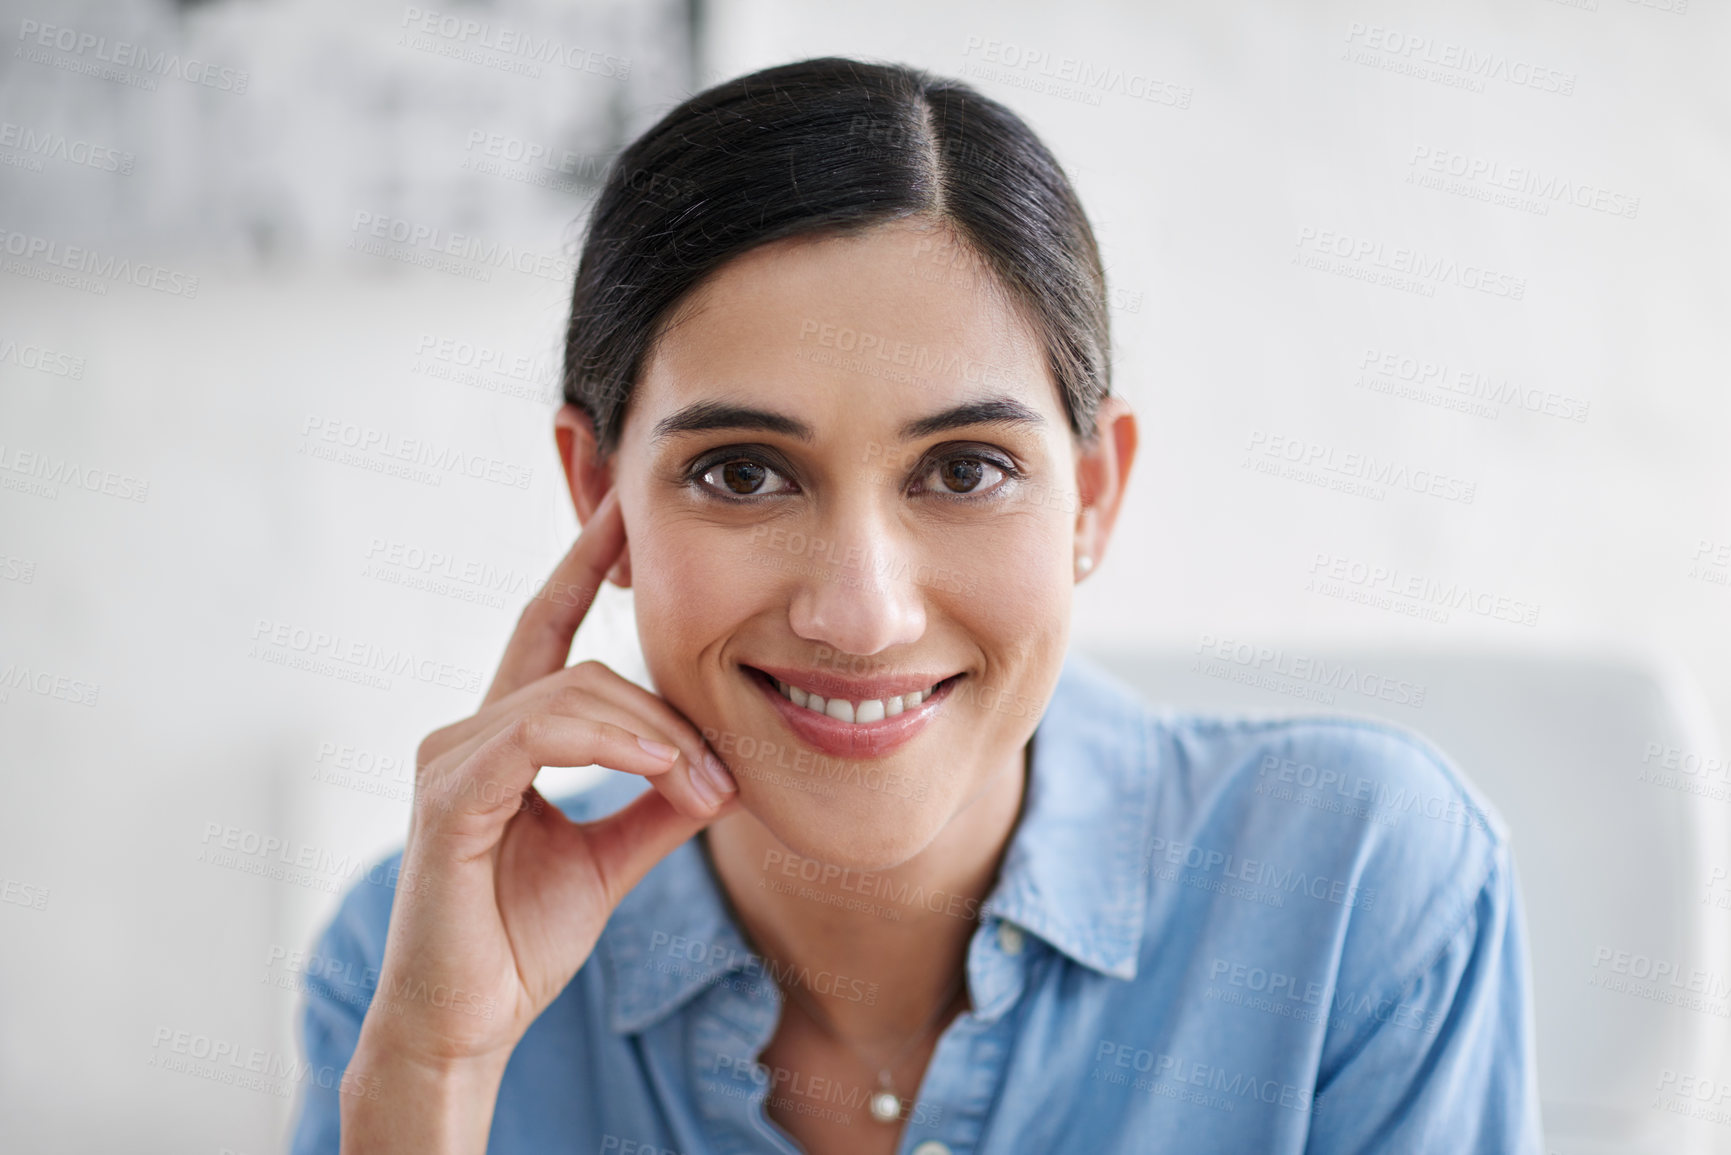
627, 843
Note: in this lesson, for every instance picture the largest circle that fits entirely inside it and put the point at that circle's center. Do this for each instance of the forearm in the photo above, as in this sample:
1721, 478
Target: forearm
400, 1104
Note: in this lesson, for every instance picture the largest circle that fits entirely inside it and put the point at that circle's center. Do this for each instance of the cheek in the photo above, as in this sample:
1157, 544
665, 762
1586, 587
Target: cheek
1010, 579
1018, 615
692, 585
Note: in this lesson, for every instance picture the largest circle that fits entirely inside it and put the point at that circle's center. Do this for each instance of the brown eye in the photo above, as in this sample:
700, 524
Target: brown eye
962, 475
743, 477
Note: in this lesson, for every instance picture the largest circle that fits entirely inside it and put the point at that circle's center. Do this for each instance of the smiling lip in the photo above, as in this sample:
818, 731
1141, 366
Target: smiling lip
852, 739
853, 689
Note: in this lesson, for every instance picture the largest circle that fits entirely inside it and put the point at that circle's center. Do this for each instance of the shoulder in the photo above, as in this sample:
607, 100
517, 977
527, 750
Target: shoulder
1364, 786
1376, 772
1359, 835
1367, 827
1198, 760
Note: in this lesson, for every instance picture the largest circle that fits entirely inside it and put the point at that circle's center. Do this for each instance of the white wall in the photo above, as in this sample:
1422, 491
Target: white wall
1200, 211
151, 608
1221, 335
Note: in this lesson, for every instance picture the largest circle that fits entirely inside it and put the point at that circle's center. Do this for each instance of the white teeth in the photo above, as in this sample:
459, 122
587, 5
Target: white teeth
842, 710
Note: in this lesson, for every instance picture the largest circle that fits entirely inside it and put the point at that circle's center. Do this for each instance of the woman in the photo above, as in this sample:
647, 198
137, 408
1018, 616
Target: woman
884, 870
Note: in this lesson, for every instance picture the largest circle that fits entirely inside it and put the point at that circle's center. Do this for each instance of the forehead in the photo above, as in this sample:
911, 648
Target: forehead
865, 329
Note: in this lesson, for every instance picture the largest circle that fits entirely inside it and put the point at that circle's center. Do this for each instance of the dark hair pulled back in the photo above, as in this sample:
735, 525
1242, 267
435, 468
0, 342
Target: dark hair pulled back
830, 145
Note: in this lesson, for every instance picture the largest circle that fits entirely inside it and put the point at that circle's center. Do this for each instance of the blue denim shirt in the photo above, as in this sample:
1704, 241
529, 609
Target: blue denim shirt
1208, 934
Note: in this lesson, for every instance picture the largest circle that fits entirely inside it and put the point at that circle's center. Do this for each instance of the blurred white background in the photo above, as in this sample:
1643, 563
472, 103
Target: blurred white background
189, 784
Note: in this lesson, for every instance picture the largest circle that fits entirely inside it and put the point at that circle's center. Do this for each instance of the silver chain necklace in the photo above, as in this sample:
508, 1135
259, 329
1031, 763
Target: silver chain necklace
885, 1105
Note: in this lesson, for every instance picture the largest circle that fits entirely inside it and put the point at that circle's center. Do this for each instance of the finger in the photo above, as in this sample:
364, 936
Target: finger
483, 792
541, 642
626, 844
699, 782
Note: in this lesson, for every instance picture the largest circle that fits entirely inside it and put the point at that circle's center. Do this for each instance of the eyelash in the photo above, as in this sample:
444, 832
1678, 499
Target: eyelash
714, 461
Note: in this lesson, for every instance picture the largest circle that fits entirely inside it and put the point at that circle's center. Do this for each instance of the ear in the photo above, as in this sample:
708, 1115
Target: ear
1102, 474
588, 476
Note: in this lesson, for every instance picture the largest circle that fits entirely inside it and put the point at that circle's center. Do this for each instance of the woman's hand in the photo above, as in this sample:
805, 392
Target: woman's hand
501, 898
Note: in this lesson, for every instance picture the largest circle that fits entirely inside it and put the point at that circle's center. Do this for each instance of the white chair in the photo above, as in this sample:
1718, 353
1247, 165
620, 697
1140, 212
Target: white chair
1609, 862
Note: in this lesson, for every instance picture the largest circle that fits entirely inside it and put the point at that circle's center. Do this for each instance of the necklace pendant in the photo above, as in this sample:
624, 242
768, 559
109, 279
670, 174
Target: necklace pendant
886, 1106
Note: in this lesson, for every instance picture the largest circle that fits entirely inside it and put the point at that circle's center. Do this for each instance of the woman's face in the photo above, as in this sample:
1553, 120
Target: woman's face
846, 467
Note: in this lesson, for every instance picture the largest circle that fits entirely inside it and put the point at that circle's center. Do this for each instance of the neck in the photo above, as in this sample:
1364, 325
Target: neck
903, 932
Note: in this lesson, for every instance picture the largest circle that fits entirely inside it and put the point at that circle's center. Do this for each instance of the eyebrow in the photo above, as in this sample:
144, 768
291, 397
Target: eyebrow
996, 411
704, 416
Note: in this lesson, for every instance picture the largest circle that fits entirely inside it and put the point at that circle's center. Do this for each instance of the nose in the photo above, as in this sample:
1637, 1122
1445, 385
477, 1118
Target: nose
860, 596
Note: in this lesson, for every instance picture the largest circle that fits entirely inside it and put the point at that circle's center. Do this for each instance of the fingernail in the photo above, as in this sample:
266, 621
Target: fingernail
663, 752
720, 782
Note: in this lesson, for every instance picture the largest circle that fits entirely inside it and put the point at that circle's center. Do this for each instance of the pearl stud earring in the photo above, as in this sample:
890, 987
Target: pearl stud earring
1084, 563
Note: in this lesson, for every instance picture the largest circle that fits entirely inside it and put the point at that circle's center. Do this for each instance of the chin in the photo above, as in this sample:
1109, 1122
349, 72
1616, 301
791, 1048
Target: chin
846, 826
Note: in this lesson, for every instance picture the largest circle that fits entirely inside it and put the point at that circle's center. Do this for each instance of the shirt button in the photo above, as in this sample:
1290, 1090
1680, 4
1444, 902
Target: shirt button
931, 1147
1010, 938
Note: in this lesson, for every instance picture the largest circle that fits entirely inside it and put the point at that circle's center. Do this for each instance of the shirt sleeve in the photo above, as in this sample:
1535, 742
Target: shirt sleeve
338, 982
341, 975
1448, 1065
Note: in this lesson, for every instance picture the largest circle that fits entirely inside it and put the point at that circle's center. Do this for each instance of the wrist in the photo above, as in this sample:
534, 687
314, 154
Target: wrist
396, 1100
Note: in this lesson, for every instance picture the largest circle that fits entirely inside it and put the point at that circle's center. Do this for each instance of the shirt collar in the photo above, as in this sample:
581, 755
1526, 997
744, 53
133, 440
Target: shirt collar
1071, 872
